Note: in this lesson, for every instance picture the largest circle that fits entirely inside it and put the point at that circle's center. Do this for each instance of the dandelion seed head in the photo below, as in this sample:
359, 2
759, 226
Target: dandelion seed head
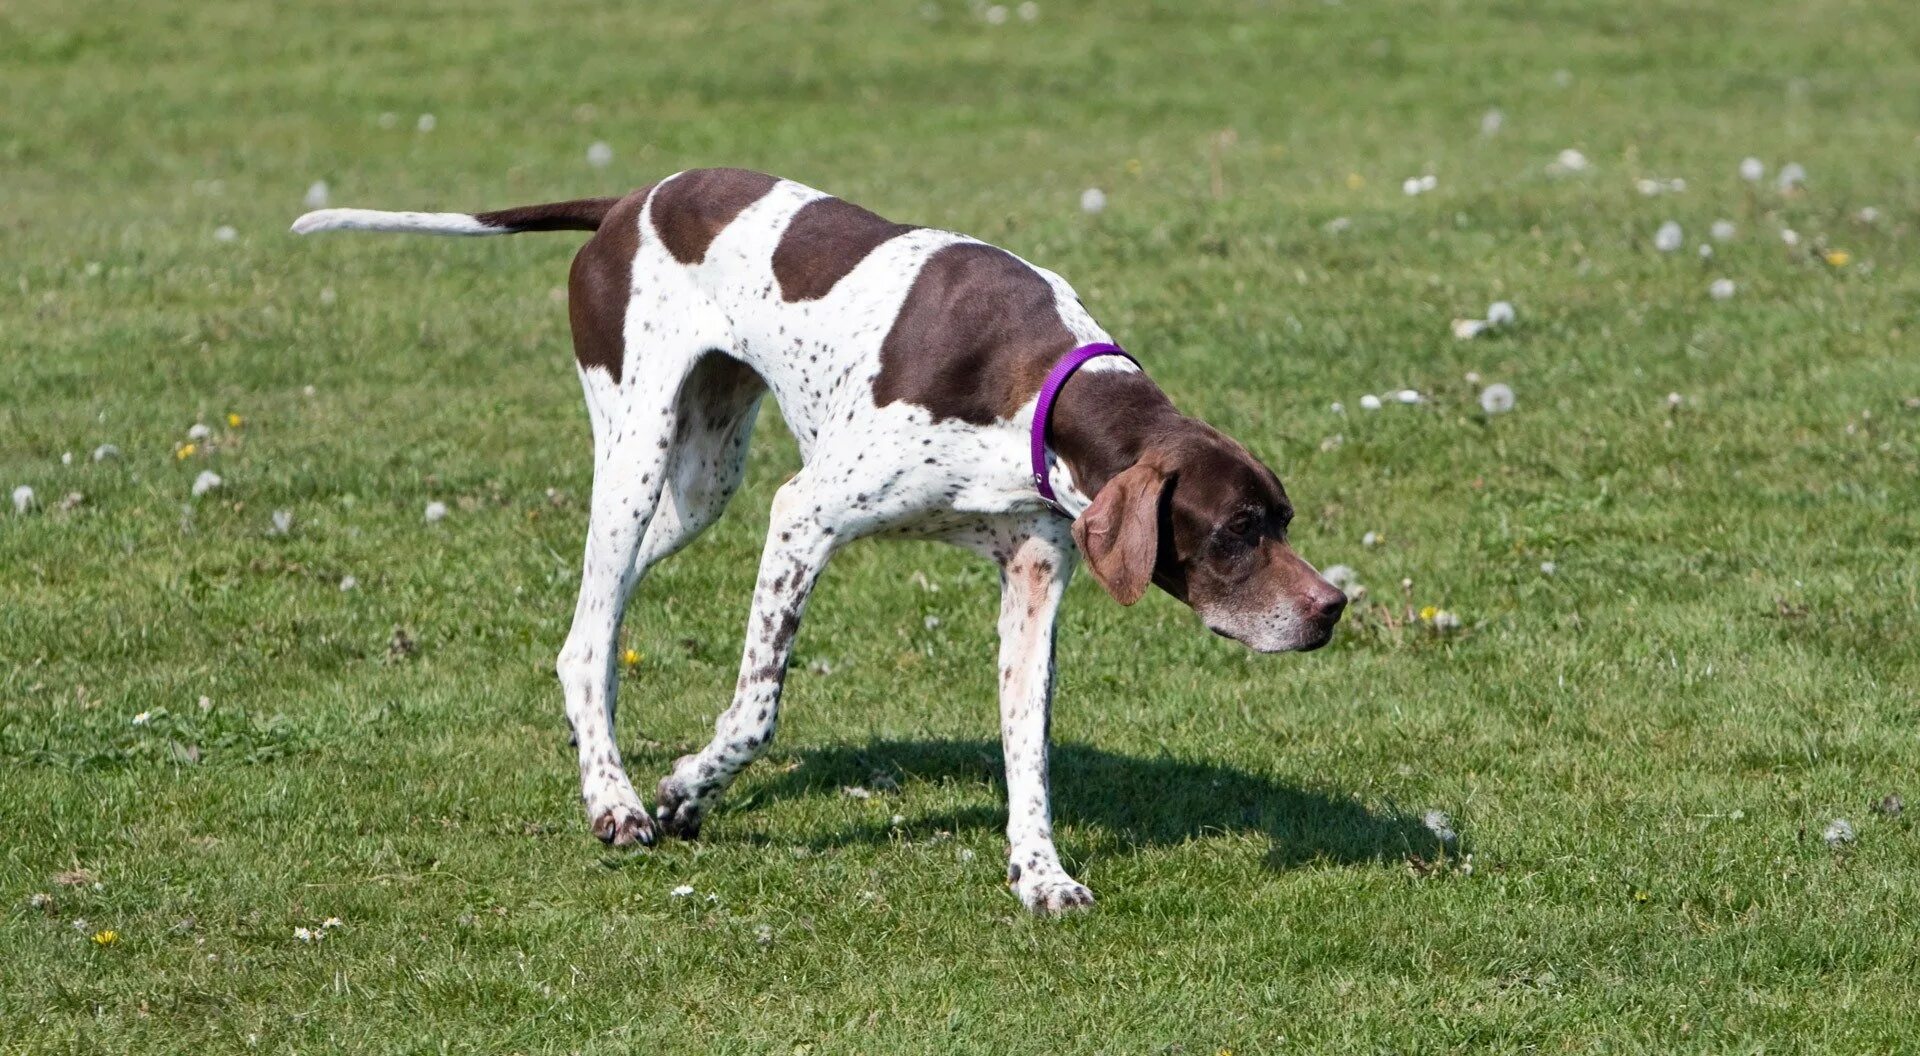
996, 15
436, 512
22, 498
1028, 11
1570, 160
1496, 398
1093, 201
282, 522
317, 195
1792, 175
599, 154
1669, 237
1500, 313
1789, 236
1753, 170
1838, 833
1408, 396
682, 891
1438, 823
1468, 329
348, 583
1723, 230
1492, 121
199, 431
426, 122
143, 718
1548, 568
1337, 407
225, 233
1371, 540
1369, 402
1721, 289
104, 452
207, 481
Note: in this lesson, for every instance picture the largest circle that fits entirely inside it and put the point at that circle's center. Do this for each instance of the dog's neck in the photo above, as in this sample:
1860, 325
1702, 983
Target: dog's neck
1104, 421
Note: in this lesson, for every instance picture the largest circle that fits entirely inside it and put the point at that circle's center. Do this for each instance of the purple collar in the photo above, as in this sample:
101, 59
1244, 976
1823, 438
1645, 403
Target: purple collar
1043, 408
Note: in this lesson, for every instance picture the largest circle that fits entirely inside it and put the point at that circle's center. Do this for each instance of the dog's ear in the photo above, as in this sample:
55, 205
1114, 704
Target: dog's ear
1120, 532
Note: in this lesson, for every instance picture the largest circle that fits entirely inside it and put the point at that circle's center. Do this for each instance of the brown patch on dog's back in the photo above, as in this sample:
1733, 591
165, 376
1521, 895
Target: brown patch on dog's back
695, 206
975, 338
826, 239
600, 285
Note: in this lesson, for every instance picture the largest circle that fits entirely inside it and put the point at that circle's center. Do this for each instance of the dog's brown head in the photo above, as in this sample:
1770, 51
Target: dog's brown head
1202, 518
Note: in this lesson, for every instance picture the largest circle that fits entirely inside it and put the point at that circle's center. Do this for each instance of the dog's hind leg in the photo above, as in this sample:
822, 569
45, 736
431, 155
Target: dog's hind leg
713, 422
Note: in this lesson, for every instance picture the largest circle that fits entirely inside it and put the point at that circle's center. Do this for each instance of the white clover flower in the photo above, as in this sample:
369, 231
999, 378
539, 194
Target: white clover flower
1491, 121
1753, 170
316, 195
1792, 175
1722, 289
22, 499
682, 891
1496, 399
1838, 833
1722, 230
1789, 236
1407, 396
104, 452
207, 481
332, 922
1468, 329
1093, 201
1570, 160
599, 154
1369, 402
1500, 313
426, 122
436, 512
225, 233
198, 432
1669, 237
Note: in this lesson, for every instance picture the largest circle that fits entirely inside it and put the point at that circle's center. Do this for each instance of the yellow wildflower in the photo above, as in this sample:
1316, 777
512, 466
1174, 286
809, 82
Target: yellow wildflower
1134, 167
234, 421
106, 938
1427, 614
185, 451
631, 658
1355, 181
1838, 257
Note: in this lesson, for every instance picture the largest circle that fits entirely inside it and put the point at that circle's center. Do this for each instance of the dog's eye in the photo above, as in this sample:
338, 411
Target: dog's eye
1246, 525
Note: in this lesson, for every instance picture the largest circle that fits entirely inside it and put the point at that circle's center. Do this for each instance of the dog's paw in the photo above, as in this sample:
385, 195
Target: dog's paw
1048, 892
621, 824
677, 810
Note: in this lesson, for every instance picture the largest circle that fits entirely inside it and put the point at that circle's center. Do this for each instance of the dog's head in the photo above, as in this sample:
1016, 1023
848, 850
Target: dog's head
1201, 517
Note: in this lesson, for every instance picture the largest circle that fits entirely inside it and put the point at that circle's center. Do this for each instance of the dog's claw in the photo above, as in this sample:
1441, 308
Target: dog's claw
1054, 896
678, 813
623, 826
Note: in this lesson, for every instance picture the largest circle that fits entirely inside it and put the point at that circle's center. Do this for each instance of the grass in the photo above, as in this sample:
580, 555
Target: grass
1640, 751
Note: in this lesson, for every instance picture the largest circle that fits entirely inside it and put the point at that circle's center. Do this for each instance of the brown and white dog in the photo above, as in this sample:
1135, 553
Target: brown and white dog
907, 362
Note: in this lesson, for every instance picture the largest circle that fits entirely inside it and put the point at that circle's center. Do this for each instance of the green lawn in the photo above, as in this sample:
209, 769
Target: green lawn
1640, 750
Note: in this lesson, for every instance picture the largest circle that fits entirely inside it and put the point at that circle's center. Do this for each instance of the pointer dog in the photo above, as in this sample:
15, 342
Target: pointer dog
909, 363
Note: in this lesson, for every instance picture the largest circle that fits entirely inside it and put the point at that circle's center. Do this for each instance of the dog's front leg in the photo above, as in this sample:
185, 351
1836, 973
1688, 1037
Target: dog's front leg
799, 542
1033, 576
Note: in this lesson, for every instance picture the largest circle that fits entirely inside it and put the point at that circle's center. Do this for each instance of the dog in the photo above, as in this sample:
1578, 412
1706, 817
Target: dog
910, 365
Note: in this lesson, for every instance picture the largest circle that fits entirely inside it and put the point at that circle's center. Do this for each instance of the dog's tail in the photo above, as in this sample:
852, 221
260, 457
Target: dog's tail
582, 215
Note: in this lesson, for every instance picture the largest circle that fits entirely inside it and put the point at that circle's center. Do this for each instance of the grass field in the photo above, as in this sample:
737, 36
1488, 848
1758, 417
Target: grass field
206, 743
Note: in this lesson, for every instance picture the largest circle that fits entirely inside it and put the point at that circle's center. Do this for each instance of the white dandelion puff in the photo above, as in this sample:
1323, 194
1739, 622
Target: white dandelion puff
225, 233
1342, 576
1093, 201
599, 154
1705, 251
1753, 170
1414, 185
1792, 175
1669, 237
1674, 400
1868, 215
316, 195
1468, 329
1407, 396
198, 432
1570, 160
1838, 833
1370, 540
1500, 313
1548, 568
389, 120
104, 452
1721, 289
1337, 225
682, 891
1028, 11
1723, 230
348, 583
22, 499
1496, 399
1446, 621
996, 15
1337, 407
1648, 188
436, 512
1491, 122
66, 458
207, 481
1437, 822
1369, 402
426, 122
1789, 236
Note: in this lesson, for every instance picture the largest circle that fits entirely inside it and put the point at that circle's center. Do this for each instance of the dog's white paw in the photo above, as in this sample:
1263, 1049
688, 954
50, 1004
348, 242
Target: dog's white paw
678, 807
621, 823
1048, 892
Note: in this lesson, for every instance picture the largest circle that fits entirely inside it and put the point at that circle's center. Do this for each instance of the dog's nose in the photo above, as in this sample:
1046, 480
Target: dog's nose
1328, 607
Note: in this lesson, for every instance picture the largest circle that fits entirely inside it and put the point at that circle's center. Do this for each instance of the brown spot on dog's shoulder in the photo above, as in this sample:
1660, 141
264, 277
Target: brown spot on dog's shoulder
695, 206
826, 239
975, 338
600, 285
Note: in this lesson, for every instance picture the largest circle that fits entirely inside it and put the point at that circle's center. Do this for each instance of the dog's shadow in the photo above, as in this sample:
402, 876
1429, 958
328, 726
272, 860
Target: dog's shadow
1112, 802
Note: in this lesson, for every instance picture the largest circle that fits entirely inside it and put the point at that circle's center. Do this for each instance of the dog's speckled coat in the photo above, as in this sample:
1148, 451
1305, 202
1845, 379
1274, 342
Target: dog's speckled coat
906, 361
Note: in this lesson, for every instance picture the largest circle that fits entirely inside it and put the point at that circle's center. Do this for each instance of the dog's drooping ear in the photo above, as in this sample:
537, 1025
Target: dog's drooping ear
1120, 532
